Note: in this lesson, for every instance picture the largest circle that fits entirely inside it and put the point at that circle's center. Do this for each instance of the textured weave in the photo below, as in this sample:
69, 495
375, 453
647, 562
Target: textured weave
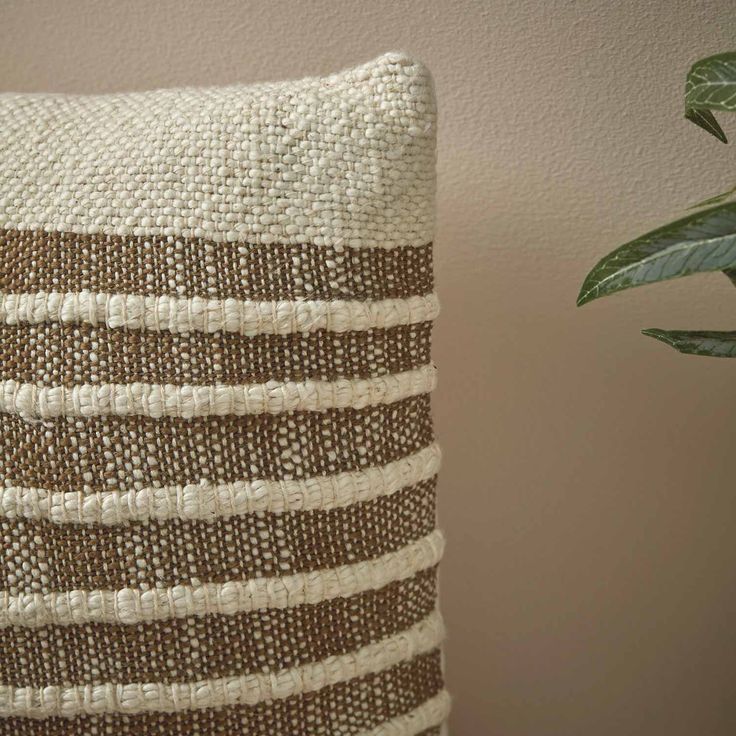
218, 464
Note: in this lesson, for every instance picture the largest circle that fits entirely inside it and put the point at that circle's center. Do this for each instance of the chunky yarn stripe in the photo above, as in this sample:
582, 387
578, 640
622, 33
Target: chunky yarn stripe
273, 397
197, 314
59, 700
131, 606
206, 500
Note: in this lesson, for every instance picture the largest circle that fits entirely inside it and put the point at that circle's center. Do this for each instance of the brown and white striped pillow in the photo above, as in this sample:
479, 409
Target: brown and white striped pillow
218, 462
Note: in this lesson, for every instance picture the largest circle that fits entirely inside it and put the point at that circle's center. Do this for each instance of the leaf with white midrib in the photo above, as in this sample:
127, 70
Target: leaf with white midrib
711, 343
701, 242
711, 83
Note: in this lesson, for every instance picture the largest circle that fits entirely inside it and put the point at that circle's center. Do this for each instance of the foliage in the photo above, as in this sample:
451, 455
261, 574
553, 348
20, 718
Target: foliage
702, 241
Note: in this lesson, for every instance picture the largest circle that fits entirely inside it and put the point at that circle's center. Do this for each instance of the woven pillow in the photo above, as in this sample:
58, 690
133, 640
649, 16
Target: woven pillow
218, 463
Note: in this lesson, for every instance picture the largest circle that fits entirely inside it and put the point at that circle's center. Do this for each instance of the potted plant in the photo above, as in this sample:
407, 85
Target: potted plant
703, 241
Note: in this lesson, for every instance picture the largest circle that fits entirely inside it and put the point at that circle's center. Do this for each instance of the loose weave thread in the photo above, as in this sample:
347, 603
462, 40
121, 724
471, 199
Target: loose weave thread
273, 397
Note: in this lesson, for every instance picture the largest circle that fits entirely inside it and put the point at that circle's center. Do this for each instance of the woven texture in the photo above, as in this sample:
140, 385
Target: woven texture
218, 462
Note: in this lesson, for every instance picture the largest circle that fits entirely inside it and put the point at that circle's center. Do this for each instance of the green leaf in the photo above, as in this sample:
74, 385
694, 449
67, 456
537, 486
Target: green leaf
731, 273
711, 83
707, 121
697, 342
704, 241
713, 200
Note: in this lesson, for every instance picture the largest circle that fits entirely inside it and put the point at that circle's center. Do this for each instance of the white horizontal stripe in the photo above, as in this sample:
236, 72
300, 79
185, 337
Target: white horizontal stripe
196, 314
154, 400
133, 605
59, 700
208, 501
428, 714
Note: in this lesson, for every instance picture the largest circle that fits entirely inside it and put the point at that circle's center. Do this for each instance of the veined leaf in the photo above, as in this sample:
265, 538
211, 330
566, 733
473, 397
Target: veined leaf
704, 241
707, 121
698, 342
711, 83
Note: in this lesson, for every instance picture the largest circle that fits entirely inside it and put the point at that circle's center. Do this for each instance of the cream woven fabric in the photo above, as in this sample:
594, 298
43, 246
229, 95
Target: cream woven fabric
218, 462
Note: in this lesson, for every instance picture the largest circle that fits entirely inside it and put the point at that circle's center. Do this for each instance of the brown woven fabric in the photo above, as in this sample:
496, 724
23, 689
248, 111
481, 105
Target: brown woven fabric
213, 646
41, 556
35, 261
106, 453
345, 709
72, 354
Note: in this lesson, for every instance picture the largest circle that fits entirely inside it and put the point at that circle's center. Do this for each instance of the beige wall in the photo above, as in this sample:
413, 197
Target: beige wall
588, 485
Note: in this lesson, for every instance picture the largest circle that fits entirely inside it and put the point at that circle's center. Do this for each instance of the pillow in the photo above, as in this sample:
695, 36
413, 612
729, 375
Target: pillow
218, 461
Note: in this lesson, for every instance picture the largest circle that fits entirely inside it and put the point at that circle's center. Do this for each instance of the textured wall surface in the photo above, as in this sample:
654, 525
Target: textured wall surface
587, 490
